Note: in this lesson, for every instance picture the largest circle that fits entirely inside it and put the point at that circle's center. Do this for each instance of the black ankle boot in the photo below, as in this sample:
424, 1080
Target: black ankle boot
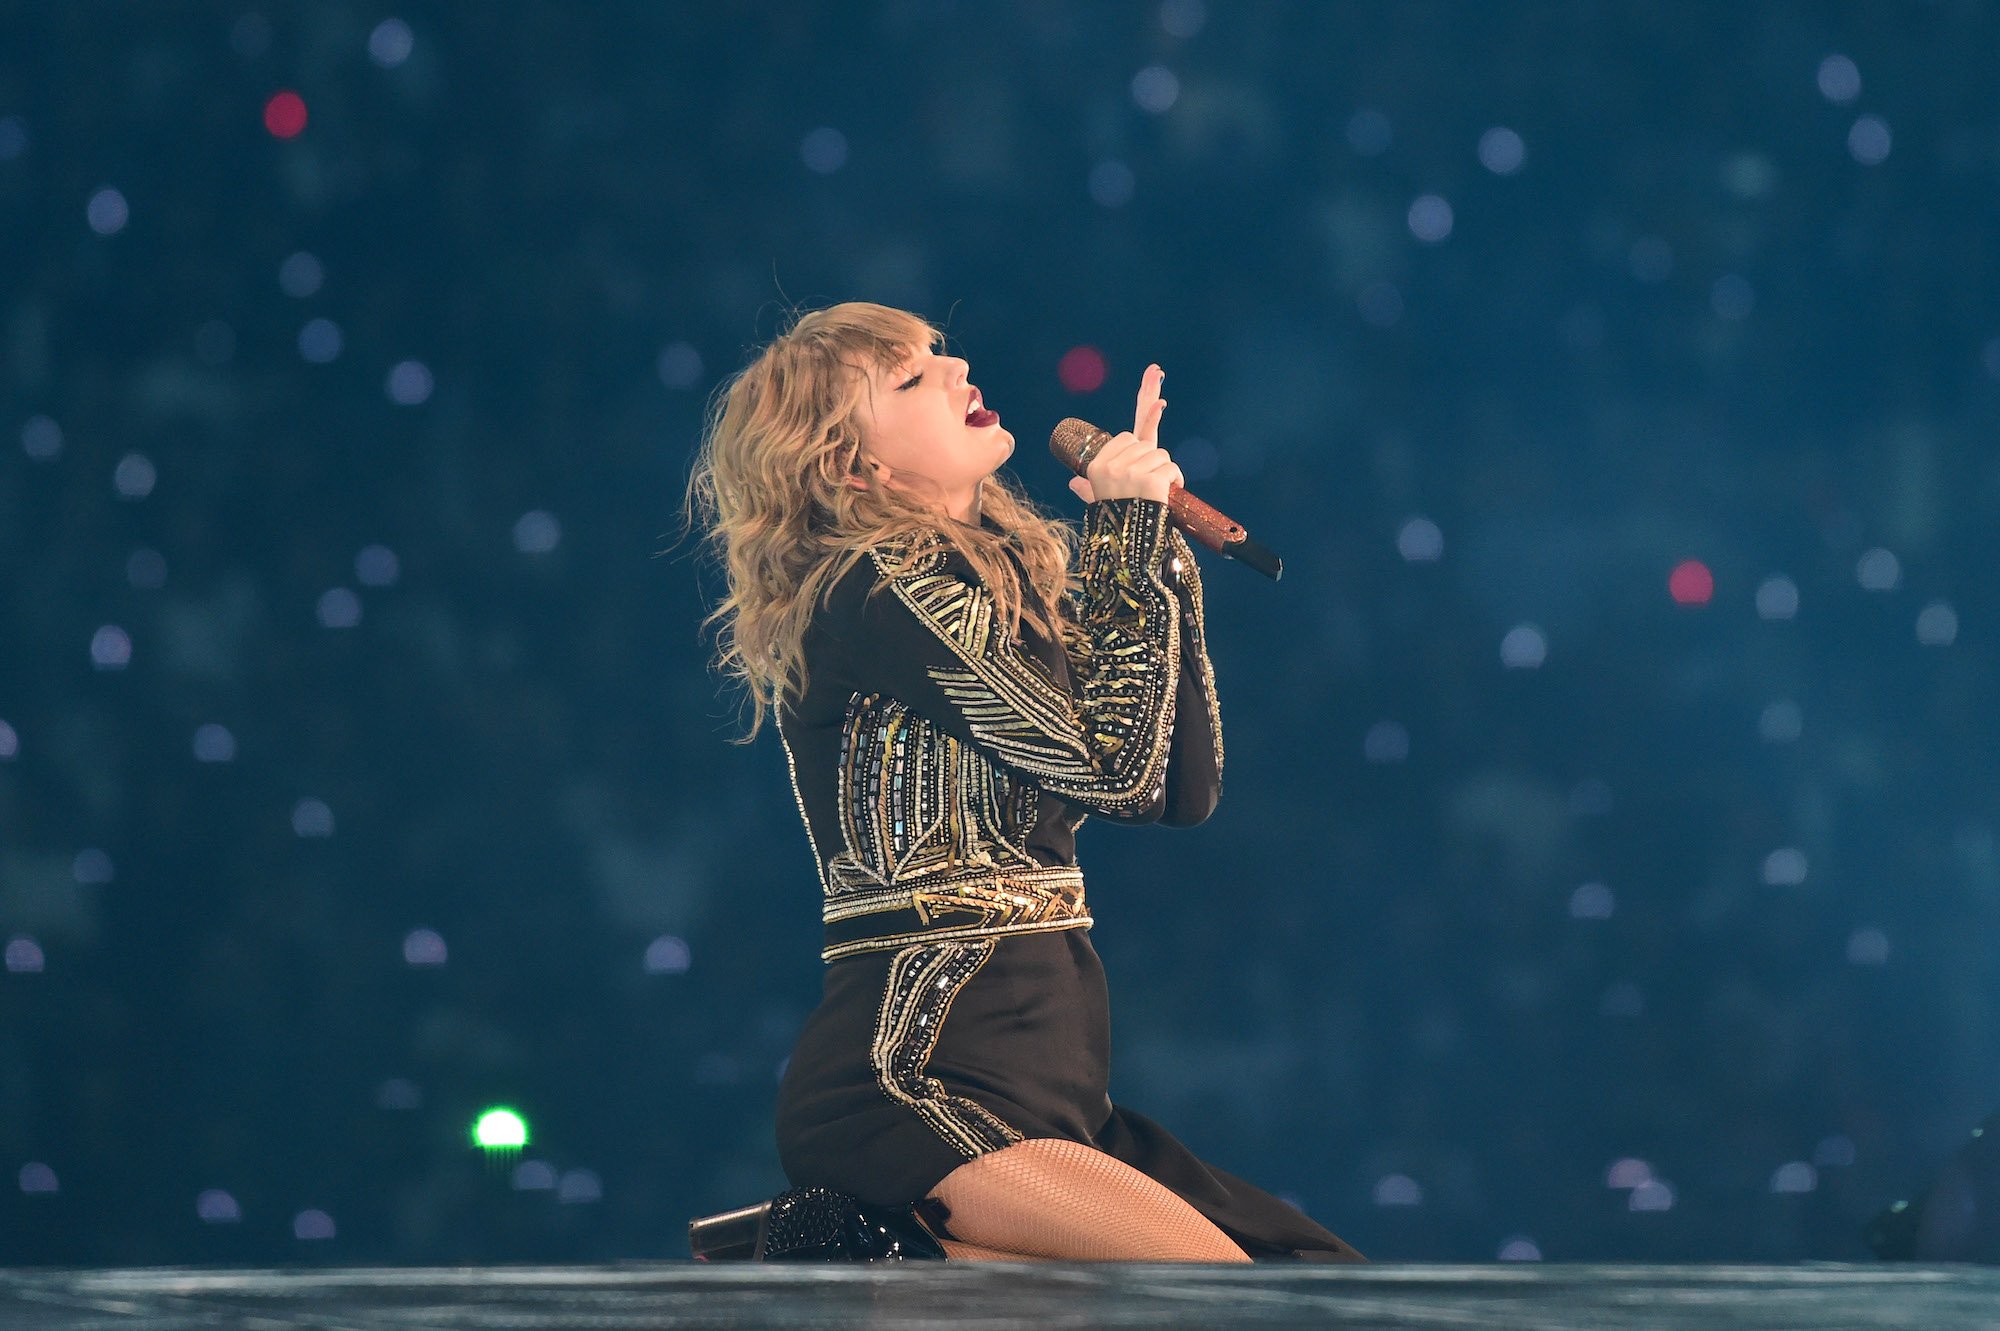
820, 1225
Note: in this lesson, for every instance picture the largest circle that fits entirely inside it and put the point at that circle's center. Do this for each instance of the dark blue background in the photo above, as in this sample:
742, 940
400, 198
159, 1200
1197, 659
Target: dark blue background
1704, 318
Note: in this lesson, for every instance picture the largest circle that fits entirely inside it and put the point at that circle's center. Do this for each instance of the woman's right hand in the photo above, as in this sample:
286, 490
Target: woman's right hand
1132, 465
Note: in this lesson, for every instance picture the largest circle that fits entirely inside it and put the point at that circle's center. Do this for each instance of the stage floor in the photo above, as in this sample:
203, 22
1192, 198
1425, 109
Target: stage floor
1569, 1296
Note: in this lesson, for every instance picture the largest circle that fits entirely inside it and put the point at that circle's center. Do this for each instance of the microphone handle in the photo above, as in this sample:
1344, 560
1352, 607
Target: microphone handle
1219, 533
1075, 442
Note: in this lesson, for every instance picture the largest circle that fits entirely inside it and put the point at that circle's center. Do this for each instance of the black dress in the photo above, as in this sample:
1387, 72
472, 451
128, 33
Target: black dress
942, 771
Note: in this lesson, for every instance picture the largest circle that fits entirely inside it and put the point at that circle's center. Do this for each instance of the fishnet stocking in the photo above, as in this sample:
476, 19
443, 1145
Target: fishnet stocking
1055, 1199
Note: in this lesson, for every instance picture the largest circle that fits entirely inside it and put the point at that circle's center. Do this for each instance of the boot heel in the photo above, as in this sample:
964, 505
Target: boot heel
820, 1225
731, 1236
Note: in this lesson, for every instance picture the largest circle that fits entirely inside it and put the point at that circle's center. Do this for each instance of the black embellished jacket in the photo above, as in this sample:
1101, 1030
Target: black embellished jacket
942, 769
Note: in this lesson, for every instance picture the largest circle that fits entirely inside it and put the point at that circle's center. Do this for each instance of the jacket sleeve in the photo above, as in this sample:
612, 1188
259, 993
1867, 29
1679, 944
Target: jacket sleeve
1194, 758
1194, 753
930, 638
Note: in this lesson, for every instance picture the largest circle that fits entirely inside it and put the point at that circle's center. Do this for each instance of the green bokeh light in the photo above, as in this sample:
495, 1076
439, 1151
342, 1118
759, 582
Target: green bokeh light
500, 1129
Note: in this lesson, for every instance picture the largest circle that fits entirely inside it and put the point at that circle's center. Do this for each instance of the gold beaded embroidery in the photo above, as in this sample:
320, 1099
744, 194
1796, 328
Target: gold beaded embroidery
1106, 745
923, 980
933, 830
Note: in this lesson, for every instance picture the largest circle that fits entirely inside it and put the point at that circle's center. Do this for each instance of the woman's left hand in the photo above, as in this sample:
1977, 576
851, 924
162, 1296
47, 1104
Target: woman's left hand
1145, 423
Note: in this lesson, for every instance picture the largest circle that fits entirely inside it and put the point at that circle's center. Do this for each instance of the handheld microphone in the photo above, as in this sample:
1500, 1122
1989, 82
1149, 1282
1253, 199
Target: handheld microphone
1075, 442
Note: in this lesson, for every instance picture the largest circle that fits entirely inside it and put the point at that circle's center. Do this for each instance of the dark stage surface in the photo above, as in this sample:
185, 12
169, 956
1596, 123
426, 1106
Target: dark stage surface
1573, 1297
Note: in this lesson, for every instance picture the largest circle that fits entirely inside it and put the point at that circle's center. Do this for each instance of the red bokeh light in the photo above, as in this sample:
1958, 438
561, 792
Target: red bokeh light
285, 114
1691, 583
1081, 369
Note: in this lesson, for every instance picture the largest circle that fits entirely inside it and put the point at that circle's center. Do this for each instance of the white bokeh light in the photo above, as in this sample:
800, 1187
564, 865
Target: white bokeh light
1652, 1195
41, 438
1112, 183
1878, 570
1501, 151
216, 1207
390, 43
1155, 88
1785, 867
300, 275
134, 477
579, 1186
312, 818
320, 341
338, 608
679, 365
1869, 140
1430, 218
1524, 648
537, 532
214, 744
1182, 18
1937, 625
24, 956
824, 150
1420, 541
1592, 901
1386, 742
110, 648
1732, 297
408, 383
425, 947
146, 567
668, 955
1780, 722
1839, 79
377, 566
312, 1224
1777, 597
1868, 947
107, 212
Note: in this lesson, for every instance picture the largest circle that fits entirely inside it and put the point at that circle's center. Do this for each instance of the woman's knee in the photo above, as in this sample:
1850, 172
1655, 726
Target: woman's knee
1067, 1199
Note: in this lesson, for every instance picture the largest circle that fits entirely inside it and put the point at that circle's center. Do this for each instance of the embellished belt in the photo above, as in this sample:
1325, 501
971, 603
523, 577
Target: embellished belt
980, 903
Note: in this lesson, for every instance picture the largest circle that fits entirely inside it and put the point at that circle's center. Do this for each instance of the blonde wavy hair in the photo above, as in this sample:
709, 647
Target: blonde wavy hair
770, 488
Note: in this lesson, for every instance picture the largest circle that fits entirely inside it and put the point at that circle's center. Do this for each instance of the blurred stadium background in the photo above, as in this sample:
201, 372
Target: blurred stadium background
1608, 863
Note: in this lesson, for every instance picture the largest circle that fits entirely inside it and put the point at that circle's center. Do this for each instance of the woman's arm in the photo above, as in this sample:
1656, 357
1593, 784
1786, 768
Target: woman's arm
930, 639
1194, 755
1194, 760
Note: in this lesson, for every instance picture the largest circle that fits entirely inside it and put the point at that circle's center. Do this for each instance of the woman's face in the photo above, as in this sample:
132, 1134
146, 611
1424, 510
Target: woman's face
913, 423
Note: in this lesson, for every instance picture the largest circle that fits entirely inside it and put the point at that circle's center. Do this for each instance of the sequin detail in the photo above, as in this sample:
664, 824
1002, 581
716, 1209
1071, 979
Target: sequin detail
1106, 745
923, 980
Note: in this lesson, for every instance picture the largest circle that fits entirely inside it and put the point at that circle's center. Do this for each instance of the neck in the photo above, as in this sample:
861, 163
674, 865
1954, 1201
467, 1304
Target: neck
966, 510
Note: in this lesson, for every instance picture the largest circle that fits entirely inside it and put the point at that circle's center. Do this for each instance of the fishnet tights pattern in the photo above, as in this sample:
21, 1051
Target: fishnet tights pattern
1052, 1199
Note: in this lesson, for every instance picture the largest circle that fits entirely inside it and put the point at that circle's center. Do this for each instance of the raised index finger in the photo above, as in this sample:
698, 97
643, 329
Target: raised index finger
1145, 420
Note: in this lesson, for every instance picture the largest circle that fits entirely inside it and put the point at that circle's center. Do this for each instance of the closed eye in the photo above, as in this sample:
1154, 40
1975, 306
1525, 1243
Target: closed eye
911, 382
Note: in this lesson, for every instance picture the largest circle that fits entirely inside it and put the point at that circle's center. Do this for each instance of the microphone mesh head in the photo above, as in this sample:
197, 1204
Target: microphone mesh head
1075, 442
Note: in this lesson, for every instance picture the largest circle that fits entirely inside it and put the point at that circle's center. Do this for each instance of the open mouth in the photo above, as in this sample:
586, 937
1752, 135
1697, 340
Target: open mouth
979, 417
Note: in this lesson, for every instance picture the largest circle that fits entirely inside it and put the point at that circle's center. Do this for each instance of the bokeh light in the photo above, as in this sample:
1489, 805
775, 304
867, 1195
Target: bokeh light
1691, 583
500, 1128
1081, 369
285, 115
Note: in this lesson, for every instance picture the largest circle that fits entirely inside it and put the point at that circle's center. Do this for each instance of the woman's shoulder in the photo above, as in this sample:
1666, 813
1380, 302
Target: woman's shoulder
908, 557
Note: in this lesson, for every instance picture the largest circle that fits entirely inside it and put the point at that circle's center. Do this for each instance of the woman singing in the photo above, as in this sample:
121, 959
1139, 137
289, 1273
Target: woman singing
953, 702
